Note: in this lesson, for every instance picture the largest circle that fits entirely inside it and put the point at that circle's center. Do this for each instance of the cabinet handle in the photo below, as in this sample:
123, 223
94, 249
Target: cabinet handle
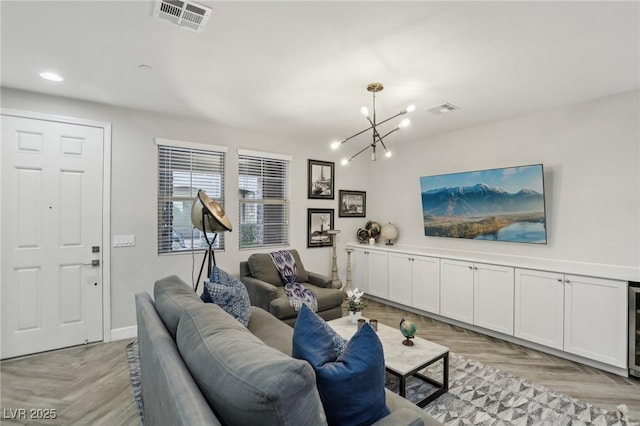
567, 281
559, 280
475, 267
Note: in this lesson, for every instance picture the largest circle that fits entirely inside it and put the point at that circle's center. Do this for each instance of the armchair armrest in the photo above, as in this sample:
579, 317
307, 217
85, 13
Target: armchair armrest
319, 280
402, 416
261, 293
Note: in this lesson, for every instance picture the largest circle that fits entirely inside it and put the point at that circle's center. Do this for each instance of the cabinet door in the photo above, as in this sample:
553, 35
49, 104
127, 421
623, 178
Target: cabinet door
456, 290
493, 297
378, 273
400, 278
595, 319
426, 283
360, 270
539, 307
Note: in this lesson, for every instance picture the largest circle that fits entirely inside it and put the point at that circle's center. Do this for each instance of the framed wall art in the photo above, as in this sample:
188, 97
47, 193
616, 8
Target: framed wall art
321, 179
352, 203
319, 221
505, 204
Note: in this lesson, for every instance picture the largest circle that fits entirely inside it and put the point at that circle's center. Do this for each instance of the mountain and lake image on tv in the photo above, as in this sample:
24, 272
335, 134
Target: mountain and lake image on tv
505, 204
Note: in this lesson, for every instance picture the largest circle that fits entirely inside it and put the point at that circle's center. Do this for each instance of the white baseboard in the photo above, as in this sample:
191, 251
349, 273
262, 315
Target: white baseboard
124, 333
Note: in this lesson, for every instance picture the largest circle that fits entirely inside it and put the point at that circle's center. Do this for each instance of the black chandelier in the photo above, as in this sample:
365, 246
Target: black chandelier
374, 88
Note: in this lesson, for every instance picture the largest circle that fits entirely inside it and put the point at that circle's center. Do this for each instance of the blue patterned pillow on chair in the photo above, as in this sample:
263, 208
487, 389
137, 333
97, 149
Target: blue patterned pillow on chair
228, 293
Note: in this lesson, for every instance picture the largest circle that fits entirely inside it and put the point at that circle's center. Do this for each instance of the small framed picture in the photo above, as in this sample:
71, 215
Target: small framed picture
352, 204
319, 221
321, 178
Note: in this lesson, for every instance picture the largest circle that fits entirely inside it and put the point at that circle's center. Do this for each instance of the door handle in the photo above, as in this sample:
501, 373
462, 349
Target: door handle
94, 262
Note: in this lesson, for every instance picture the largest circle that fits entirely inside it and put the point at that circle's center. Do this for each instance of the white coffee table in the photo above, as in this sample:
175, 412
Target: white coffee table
405, 361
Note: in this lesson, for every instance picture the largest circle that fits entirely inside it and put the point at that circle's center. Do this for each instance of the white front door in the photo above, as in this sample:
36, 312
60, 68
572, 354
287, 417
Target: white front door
51, 233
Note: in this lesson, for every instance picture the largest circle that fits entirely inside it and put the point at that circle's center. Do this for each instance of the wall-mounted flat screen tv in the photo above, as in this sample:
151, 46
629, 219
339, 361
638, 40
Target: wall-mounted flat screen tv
505, 204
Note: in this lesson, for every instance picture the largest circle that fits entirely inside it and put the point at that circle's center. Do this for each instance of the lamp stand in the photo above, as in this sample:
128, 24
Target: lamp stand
335, 280
209, 254
349, 285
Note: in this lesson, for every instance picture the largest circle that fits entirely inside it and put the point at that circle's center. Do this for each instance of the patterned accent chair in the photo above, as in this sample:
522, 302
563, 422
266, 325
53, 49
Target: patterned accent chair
266, 289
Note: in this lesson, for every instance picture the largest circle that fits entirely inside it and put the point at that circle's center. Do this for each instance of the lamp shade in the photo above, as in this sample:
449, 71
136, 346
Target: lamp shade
213, 219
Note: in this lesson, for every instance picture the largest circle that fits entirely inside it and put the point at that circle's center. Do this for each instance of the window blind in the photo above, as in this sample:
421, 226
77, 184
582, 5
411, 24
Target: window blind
182, 171
264, 201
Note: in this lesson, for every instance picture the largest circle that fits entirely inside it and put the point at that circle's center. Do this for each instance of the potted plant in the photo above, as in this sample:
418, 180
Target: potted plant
355, 304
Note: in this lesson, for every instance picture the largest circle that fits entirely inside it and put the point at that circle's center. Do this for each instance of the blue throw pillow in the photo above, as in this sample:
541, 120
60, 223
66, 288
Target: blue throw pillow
351, 385
228, 293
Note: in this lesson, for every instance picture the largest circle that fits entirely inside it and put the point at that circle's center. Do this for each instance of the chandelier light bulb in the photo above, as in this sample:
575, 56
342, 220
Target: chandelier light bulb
51, 76
375, 126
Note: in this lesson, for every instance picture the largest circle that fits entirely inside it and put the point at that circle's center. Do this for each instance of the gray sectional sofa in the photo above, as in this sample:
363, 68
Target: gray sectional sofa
200, 366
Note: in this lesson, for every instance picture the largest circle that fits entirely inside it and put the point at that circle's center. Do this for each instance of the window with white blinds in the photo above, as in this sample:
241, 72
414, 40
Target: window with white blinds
183, 169
263, 184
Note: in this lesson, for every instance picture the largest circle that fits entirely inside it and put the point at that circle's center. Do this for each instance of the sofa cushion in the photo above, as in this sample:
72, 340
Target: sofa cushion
262, 268
270, 330
351, 385
172, 296
228, 293
327, 298
243, 380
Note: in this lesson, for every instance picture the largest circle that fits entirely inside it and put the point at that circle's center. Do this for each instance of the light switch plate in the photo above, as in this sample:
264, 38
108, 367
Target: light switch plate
124, 240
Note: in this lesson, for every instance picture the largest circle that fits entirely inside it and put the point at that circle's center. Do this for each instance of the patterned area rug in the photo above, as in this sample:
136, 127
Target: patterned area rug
478, 395
482, 395
133, 359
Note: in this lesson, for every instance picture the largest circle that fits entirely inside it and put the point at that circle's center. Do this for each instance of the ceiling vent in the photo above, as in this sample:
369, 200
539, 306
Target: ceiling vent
443, 108
183, 13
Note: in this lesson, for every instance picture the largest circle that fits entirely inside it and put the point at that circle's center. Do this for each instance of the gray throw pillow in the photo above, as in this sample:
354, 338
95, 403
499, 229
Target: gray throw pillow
245, 381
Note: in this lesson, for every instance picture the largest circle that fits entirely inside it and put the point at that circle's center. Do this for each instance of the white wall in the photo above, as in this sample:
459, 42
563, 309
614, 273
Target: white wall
591, 158
590, 151
134, 192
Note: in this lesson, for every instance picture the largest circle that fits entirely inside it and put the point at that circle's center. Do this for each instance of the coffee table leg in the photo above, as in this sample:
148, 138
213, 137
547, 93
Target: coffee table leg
445, 373
403, 386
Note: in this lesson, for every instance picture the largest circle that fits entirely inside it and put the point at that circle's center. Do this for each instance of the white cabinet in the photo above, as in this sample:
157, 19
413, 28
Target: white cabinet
370, 271
493, 297
425, 288
539, 307
580, 315
400, 278
415, 281
478, 294
456, 290
595, 319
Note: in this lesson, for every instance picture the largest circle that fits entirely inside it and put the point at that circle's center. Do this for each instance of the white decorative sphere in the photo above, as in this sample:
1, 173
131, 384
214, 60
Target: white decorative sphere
389, 232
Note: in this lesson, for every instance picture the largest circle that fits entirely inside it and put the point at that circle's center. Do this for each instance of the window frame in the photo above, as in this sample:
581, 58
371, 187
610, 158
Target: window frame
190, 151
264, 159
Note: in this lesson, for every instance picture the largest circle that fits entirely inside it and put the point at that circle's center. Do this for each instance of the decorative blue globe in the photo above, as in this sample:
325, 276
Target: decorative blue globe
408, 330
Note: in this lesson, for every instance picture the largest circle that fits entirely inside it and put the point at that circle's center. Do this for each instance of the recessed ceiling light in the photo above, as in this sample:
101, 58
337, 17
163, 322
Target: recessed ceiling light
51, 76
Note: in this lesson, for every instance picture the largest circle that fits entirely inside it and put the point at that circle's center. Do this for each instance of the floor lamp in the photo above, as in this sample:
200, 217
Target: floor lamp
208, 216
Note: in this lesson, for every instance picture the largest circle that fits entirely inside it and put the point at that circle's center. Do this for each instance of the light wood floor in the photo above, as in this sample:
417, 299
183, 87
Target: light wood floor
597, 387
90, 385
86, 385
